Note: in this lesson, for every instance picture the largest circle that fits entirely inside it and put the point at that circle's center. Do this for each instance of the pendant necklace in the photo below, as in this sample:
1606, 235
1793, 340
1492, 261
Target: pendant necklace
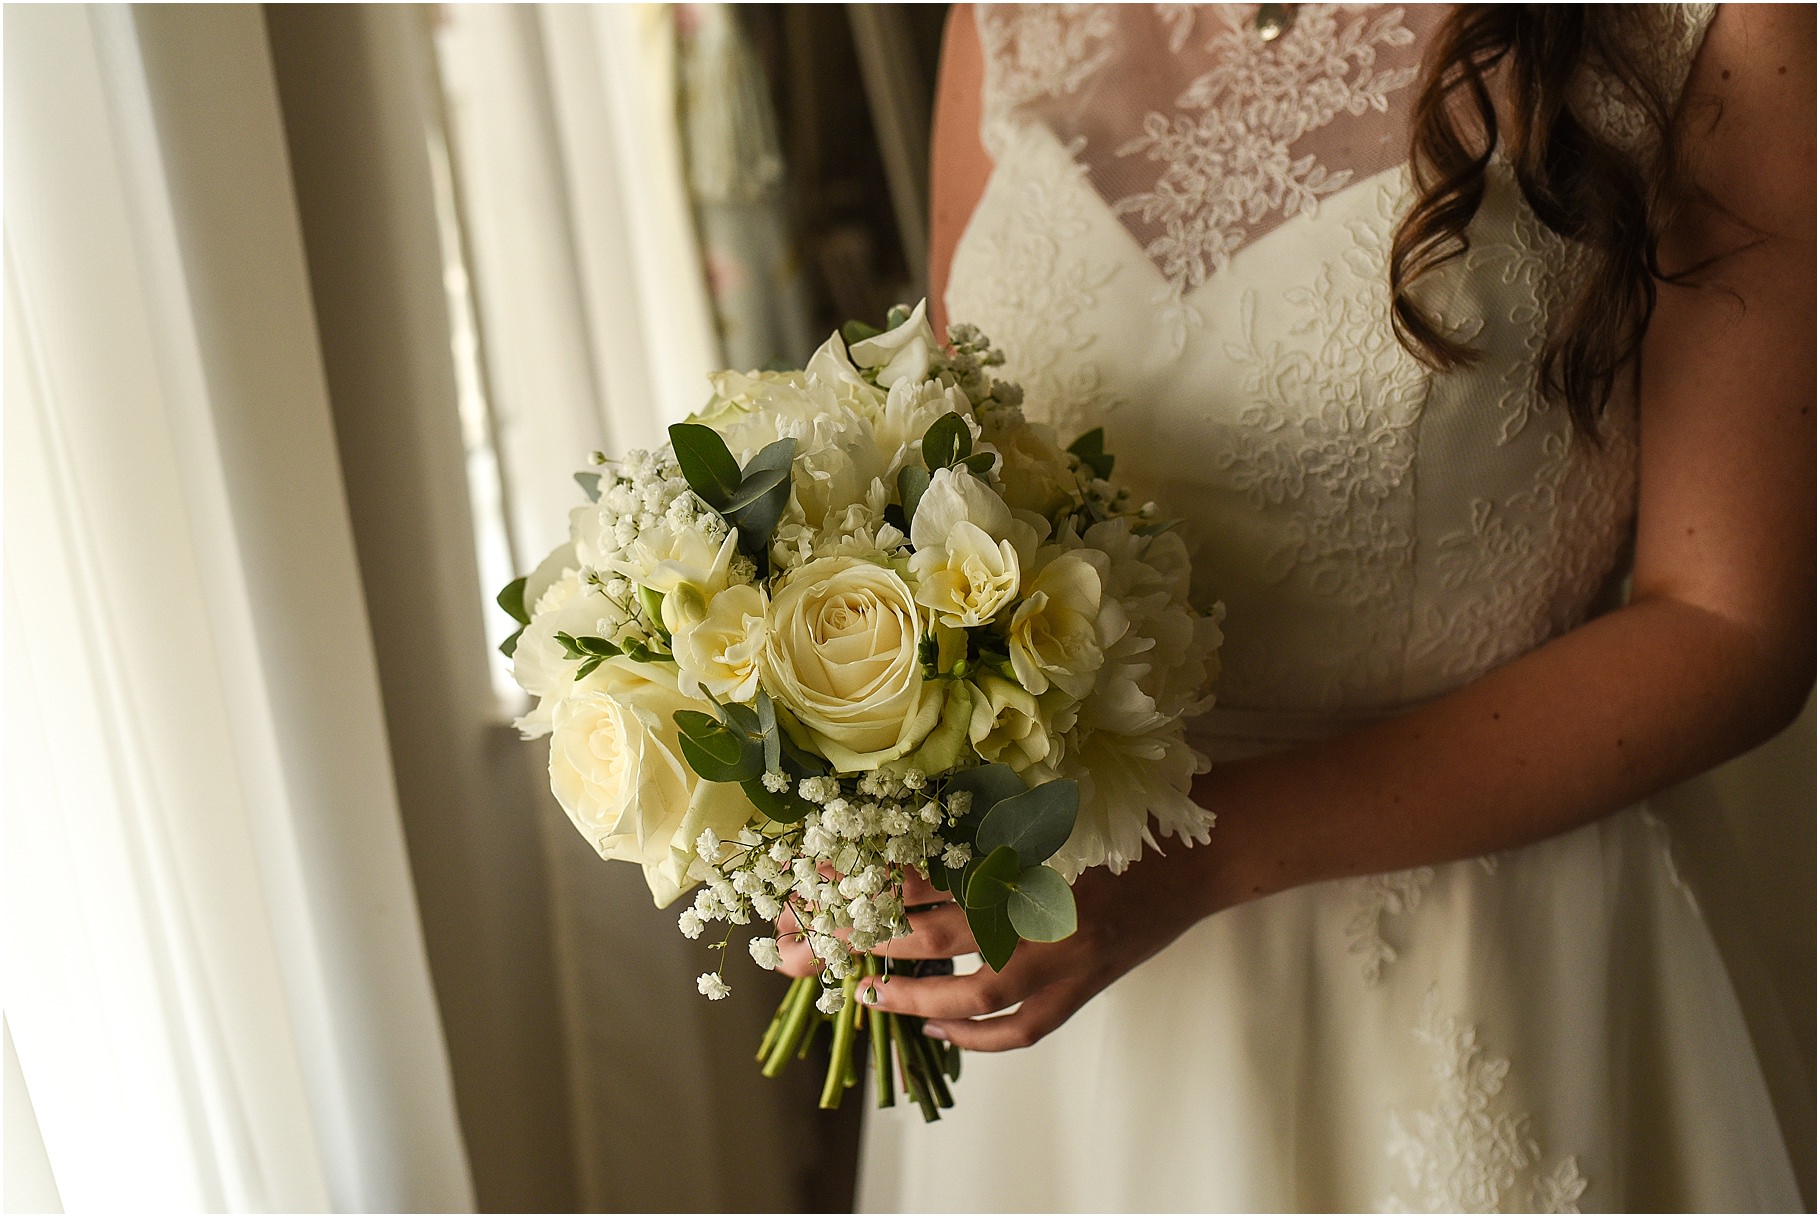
1273, 20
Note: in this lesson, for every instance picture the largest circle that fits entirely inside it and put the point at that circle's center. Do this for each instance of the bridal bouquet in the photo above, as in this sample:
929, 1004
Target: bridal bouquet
855, 621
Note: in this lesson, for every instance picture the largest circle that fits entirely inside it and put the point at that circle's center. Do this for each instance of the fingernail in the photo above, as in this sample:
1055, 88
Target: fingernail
935, 1033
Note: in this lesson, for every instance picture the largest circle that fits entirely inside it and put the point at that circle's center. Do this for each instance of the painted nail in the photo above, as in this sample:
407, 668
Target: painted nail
935, 1033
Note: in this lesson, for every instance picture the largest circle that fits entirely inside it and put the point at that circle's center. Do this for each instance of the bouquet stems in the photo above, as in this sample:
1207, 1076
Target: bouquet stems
920, 1063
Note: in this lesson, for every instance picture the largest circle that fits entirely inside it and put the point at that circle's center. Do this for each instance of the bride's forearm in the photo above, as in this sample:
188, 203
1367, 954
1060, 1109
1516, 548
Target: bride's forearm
1596, 719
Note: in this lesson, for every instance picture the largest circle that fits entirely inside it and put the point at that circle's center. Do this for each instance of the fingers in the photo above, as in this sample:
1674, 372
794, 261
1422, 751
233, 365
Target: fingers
959, 997
793, 947
918, 890
1036, 1018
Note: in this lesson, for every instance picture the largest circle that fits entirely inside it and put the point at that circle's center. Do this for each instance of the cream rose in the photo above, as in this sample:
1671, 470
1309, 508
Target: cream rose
719, 650
1033, 466
841, 656
1059, 633
617, 770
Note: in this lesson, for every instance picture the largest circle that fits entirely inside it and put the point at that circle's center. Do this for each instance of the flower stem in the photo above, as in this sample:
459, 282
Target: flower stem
801, 1003
840, 1056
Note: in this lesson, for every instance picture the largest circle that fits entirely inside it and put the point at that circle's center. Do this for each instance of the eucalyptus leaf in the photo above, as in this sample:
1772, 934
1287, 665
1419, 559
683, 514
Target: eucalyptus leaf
988, 784
731, 759
590, 485
743, 719
512, 600
775, 455
979, 464
755, 487
800, 761
1034, 824
1041, 906
696, 725
912, 482
710, 469
785, 808
994, 879
947, 442
994, 934
509, 647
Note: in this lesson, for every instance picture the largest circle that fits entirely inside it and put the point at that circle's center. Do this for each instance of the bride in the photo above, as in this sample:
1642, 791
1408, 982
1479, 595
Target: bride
1436, 324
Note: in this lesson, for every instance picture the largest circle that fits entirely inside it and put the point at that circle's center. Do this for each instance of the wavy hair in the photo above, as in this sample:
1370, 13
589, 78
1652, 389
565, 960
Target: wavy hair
1584, 188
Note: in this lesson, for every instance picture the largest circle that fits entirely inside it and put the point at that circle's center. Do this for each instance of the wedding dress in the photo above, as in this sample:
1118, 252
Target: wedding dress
1184, 240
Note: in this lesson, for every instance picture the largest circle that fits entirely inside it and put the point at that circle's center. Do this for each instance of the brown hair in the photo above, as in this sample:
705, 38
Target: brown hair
1577, 183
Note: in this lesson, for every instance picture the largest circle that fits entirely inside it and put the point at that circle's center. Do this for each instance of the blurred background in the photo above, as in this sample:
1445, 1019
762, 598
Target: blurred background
311, 311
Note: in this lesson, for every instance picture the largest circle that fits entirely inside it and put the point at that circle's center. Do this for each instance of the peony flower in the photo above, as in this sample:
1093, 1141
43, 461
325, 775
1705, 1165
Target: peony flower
717, 650
966, 562
841, 656
617, 769
1007, 724
905, 352
1059, 632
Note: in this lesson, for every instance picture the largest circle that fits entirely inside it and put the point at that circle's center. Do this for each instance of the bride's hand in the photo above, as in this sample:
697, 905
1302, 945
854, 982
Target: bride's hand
1123, 920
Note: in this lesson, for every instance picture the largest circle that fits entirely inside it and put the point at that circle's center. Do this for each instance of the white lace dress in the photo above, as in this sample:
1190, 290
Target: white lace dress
1184, 239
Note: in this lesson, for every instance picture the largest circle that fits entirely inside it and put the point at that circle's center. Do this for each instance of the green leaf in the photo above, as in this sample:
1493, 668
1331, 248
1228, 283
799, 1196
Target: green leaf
1034, 824
896, 316
994, 879
710, 469
911, 483
785, 808
979, 464
509, 647
725, 758
1091, 448
947, 442
988, 784
776, 455
596, 646
799, 761
743, 719
858, 331
512, 600
696, 725
755, 487
1041, 906
994, 933
590, 485
570, 650
777, 363
764, 492
588, 666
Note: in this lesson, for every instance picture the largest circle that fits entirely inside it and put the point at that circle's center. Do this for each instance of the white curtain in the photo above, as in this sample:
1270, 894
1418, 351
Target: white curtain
597, 332
215, 977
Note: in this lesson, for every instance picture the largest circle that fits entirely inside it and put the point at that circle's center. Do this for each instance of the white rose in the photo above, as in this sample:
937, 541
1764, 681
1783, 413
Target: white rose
719, 652
1059, 633
966, 563
841, 656
617, 769
666, 556
1007, 724
904, 352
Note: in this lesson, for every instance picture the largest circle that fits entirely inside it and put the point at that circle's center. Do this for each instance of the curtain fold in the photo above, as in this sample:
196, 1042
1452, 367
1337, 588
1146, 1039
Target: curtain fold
216, 976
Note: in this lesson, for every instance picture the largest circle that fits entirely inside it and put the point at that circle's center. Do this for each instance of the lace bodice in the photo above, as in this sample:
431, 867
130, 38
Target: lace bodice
1185, 238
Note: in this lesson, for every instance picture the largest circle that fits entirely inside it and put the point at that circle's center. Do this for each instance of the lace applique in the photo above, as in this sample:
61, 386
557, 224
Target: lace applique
1666, 41
1469, 1153
1374, 898
1531, 565
1229, 163
1329, 443
1037, 288
1036, 51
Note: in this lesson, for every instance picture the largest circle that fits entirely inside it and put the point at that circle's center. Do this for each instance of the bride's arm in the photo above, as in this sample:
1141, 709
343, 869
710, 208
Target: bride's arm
1713, 654
959, 166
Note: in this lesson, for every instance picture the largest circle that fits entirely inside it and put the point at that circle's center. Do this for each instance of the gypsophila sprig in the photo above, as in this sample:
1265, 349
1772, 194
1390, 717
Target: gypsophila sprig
855, 626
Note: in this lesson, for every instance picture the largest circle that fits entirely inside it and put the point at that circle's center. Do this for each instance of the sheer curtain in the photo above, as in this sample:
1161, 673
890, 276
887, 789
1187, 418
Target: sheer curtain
215, 977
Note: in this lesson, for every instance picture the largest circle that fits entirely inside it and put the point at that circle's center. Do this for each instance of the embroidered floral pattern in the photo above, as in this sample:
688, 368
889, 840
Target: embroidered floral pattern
1229, 157
1468, 1153
1374, 898
1036, 51
1038, 287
